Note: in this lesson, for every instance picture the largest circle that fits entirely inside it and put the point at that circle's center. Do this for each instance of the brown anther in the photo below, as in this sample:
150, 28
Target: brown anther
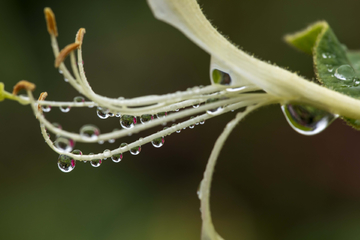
80, 36
50, 21
23, 85
64, 52
42, 97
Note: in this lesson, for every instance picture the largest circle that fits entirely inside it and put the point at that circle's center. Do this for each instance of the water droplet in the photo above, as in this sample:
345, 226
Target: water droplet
327, 55
64, 109
158, 142
127, 121
215, 110
76, 152
220, 77
176, 110
96, 162
64, 144
161, 114
236, 89
117, 157
202, 122
135, 150
192, 125
61, 72
307, 120
65, 163
198, 192
101, 142
89, 132
79, 99
146, 118
46, 108
110, 114
196, 105
123, 145
102, 113
57, 125
107, 153
344, 72
118, 115
66, 80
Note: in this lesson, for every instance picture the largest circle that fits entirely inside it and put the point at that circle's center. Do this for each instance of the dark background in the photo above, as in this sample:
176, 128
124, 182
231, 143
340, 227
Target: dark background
270, 182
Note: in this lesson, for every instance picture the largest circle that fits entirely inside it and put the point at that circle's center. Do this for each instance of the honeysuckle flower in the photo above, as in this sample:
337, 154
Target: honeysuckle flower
238, 80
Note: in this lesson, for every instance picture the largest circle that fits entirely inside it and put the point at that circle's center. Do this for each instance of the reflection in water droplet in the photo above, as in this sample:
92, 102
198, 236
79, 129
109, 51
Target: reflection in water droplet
307, 120
235, 89
146, 118
79, 99
202, 122
117, 157
64, 144
46, 108
127, 121
158, 142
89, 132
344, 72
192, 125
102, 113
196, 105
96, 162
123, 145
101, 142
66, 164
64, 109
66, 80
215, 110
220, 77
198, 192
135, 150
110, 114
161, 114
76, 152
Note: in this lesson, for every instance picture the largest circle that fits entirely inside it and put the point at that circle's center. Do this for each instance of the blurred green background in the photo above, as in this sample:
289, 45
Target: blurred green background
270, 182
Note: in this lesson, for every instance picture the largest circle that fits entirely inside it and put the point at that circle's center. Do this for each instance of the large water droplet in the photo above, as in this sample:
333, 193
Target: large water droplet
158, 142
221, 77
123, 145
307, 120
127, 121
102, 113
146, 118
46, 108
135, 150
64, 109
117, 157
344, 72
89, 132
66, 164
96, 162
64, 144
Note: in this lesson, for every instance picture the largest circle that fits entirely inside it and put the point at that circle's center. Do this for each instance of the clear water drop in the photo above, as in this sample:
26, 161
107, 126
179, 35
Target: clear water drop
196, 105
192, 125
118, 115
127, 121
110, 114
96, 162
345, 73
66, 80
135, 150
123, 145
89, 132
107, 153
215, 110
79, 99
146, 118
158, 142
307, 120
61, 72
176, 110
64, 144
46, 108
161, 114
221, 77
236, 89
101, 142
102, 113
117, 157
76, 152
202, 122
64, 109
65, 163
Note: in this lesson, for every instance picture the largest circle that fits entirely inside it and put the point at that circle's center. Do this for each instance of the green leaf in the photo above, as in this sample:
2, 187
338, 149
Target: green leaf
335, 67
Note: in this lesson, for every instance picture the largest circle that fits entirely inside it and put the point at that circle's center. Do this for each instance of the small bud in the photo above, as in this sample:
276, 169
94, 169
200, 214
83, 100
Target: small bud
23, 85
65, 52
50, 21
80, 36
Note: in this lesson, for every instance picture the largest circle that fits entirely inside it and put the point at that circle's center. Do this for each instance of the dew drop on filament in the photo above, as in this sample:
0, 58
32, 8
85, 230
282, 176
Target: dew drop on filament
127, 121
64, 109
46, 108
146, 118
65, 163
117, 157
96, 162
89, 132
64, 144
158, 142
307, 120
135, 150
102, 114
